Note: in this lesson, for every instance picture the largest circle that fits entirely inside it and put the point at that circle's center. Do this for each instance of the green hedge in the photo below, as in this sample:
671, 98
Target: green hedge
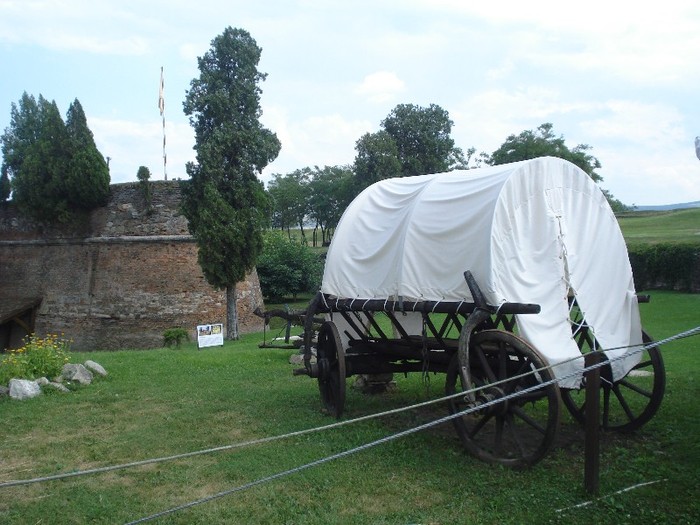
666, 266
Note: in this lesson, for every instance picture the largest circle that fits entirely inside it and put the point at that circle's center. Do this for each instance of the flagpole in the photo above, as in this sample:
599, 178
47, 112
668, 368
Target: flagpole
161, 107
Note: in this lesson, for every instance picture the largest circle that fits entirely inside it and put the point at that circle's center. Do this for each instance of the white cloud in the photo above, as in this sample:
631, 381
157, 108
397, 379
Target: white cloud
649, 45
651, 126
314, 141
93, 27
651, 177
485, 119
382, 86
131, 144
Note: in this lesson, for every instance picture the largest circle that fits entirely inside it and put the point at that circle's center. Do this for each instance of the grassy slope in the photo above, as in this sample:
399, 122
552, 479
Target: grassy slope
669, 226
164, 402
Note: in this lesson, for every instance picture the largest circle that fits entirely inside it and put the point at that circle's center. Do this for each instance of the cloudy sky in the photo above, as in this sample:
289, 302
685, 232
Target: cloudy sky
613, 74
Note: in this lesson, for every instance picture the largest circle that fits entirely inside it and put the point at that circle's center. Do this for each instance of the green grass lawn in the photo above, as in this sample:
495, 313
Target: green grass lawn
169, 401
668, 226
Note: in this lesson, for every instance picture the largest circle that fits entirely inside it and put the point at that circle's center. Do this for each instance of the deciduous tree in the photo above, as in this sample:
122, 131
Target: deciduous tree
413, 140
422, 137
332, 189
542, 142
377, 158
290, 194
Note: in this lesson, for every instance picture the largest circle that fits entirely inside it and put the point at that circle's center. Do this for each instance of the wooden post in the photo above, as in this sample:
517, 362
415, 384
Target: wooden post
591, 479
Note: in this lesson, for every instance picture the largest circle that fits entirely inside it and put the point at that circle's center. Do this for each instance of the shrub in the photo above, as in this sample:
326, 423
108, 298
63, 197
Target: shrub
669, 266
36, 358
143, 175
287, 268
175, 337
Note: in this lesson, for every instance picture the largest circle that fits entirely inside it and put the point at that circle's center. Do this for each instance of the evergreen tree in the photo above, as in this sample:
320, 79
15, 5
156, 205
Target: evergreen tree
38, 181
224, 201
53, 168
5, 188
143, 175
87, 176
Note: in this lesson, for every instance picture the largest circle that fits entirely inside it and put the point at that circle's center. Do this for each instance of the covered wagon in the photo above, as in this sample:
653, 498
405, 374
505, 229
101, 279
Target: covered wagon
499, 277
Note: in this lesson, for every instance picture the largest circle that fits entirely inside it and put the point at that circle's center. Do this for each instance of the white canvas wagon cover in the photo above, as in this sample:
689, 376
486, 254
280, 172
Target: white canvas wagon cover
530, 232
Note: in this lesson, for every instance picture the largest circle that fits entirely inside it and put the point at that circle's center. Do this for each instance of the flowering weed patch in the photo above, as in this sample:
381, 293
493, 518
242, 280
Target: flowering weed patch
38, 357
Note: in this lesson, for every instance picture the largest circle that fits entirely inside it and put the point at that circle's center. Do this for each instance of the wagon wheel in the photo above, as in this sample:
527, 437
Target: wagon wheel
629, 402
331, 368
519, 431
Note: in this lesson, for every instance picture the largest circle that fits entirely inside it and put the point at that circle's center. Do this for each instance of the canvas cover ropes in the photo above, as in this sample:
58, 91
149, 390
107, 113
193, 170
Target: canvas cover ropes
530, 232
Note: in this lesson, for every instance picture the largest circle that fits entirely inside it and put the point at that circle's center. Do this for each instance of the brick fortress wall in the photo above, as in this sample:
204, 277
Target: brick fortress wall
120, 277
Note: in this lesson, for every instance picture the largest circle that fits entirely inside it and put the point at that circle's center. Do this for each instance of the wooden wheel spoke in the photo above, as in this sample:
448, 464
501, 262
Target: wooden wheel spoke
485, 364
642, 364
623, 402
531, 396
502, 361
516, 435
498, 437
606, 407
480, 425
636, 388
524, 416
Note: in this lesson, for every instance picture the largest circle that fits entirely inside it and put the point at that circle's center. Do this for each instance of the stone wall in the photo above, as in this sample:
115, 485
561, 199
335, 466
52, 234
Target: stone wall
118, 277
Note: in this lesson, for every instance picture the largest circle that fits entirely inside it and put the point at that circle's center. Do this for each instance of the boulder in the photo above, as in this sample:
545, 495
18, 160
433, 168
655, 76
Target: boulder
56, 386
24, 389
4, 391
95, 368
77, 372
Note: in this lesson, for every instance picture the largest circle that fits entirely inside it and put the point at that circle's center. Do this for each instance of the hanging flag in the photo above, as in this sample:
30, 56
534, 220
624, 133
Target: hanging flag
161, 100
161, 107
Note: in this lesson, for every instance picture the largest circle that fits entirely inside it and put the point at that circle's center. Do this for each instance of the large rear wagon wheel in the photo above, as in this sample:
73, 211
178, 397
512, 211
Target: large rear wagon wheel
330, 358
629, 402
517, 432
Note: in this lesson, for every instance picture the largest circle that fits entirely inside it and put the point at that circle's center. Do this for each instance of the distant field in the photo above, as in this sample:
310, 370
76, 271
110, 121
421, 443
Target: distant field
637, 227
676, 226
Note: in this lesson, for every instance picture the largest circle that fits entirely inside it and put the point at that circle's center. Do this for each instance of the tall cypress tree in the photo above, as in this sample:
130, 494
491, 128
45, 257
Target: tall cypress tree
87, 174
224, 201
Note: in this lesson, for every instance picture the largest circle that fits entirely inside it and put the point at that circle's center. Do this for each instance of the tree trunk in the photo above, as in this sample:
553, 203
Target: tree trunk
231, 313
303, 235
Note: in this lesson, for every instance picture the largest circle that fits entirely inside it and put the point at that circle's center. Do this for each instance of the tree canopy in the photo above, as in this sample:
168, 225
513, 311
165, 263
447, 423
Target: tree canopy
332, 189
291, 199
54, 168
422, 136
377, 158
413, 140
224, 201
542, 142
